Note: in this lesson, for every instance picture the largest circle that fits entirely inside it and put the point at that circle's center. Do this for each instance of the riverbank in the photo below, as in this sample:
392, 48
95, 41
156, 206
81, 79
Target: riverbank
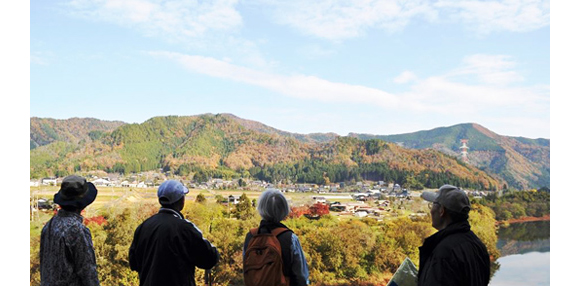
524, 219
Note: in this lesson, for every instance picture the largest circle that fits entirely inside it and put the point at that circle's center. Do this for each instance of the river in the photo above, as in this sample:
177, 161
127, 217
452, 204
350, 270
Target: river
525, 255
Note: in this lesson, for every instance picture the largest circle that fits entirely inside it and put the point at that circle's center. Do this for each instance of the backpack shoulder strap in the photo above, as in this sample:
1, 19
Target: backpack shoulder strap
279, 230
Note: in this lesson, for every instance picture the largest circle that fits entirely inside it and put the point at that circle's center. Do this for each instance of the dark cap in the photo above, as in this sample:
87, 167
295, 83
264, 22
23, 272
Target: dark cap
451, 197
75, 191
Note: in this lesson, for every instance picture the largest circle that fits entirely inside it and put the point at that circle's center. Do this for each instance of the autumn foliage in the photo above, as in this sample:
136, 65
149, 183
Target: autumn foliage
319, 209
315, 210
296, 212
99, 220
338, 251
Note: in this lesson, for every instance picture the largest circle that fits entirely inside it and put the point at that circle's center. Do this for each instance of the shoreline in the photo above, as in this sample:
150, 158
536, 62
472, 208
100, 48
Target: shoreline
524, 219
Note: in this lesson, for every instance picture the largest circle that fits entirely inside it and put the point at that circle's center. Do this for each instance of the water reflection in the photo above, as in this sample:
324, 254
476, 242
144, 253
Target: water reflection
525, 255
520, 238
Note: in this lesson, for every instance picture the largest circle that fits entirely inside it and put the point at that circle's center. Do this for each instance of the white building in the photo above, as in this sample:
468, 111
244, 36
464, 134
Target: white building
101, 182
49, 181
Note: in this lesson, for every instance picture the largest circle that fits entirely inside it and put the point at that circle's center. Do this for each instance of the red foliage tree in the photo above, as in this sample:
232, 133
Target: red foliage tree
319, 209
296, 212
100, 220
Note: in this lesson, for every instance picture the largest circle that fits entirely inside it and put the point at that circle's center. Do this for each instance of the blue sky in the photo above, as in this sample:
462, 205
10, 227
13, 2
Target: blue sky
380, 67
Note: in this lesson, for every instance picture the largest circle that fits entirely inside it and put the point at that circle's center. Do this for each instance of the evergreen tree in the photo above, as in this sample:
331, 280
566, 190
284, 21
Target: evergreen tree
244, 209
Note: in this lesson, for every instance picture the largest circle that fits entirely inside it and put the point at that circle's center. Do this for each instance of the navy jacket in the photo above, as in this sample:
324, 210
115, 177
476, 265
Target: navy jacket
166, 249
454, 256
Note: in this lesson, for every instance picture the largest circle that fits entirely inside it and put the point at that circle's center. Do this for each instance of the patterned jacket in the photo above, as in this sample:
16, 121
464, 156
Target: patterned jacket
67, 257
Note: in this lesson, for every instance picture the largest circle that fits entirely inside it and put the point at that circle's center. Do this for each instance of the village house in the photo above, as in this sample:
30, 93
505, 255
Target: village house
234, 199
149, 183
361, 214
101, 182
319, 199
49, 181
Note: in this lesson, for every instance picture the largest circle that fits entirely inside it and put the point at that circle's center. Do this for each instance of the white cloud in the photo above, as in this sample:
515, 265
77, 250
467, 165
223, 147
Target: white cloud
176, 20
481, 83
506, 15
315, 52
441, 94
346, 19
516, 125
42, 58
405, 77
299, 86
489, 69
337, 21
438, 94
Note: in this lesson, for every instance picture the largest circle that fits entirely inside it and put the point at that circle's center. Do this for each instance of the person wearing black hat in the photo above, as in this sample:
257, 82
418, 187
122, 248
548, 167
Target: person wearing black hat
166, 247
454, 255
67, 256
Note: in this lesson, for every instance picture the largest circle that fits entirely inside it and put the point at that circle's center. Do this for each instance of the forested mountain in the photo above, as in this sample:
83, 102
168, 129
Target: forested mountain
262, 128
225, 146
521, 162
44, 131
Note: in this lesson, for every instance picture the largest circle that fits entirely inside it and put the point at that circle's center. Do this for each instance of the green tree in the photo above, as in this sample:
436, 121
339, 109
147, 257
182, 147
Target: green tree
200, 198
219, 199
517, 210
244, 209
412, 183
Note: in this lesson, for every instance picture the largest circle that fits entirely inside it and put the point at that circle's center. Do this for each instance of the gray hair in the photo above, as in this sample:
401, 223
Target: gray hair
273, 206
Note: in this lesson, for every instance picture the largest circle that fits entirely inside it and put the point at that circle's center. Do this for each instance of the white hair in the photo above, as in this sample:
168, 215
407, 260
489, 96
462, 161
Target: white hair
273, 206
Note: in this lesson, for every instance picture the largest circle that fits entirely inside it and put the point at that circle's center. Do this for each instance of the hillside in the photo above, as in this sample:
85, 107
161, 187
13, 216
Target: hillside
523, 163
225, 146
262, 128
180, 144
44, 131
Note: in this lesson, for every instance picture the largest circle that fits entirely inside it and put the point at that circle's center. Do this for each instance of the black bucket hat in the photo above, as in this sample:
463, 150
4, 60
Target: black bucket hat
76, 192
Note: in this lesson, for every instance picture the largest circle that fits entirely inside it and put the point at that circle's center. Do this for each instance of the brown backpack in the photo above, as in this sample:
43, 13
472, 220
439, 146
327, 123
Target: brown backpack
263, 259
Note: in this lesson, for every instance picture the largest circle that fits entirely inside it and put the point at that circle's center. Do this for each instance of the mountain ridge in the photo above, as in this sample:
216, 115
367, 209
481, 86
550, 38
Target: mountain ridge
44, 131
186, 144
521, 161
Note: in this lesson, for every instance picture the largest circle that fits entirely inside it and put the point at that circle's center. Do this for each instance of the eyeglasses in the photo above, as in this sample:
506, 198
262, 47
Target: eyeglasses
431, 204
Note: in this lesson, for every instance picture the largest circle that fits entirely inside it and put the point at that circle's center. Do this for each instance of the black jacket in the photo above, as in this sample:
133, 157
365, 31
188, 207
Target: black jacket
166, 249
454, 256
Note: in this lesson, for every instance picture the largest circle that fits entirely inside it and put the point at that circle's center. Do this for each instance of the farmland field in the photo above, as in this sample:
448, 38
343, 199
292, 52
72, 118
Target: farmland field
118, 196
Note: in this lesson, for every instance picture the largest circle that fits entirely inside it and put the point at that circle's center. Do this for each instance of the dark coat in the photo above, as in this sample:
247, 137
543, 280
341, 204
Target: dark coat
454, 256
166, 249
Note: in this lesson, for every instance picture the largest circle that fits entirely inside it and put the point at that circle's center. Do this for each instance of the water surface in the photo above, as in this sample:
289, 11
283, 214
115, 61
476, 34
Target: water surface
525, 255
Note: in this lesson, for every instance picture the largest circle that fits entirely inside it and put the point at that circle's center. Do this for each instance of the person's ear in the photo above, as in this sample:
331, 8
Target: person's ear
442, 211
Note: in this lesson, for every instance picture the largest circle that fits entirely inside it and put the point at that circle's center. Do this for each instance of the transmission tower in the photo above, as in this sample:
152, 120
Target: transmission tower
463, 149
